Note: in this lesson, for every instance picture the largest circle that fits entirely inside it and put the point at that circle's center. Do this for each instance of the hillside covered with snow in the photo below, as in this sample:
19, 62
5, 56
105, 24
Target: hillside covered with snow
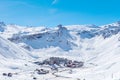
73, 52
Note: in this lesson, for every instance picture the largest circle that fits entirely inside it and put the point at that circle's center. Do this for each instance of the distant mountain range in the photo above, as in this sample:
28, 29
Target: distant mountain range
61, 36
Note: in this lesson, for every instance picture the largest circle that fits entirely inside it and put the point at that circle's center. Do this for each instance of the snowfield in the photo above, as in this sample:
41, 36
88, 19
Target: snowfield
40, 53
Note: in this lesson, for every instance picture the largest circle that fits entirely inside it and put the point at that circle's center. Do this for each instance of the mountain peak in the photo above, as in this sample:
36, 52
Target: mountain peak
118, 23
2, 25
61, 29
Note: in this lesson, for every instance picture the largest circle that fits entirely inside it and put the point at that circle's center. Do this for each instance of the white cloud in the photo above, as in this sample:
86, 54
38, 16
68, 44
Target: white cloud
54, 2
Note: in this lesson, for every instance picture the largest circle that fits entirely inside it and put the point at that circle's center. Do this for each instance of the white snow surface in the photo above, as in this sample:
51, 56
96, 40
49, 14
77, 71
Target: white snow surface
99, 49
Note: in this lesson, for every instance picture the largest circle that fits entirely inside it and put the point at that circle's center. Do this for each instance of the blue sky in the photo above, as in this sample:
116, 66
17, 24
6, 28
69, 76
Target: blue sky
53, 12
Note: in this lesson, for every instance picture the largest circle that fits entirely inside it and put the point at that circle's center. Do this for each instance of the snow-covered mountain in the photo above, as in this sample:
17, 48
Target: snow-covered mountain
62, 37
45, 38
98, 47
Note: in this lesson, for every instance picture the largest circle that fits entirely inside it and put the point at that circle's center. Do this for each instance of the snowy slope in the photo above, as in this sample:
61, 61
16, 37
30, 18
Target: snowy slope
11, 50
102, 61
